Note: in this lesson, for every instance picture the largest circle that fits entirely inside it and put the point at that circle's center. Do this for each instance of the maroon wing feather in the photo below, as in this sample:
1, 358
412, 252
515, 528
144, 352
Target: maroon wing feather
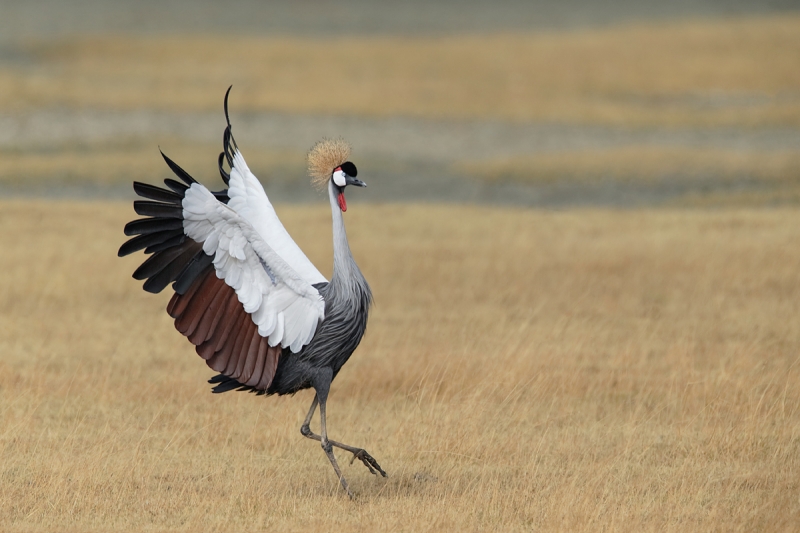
210, 315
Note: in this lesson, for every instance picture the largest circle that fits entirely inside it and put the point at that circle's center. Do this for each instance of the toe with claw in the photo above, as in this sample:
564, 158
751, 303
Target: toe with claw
369, 461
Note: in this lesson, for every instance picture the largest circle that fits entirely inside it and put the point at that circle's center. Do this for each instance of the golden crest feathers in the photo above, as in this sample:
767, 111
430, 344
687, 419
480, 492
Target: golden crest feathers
324, 157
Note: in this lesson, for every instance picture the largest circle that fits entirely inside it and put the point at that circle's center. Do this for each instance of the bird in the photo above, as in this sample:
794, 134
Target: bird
254, 306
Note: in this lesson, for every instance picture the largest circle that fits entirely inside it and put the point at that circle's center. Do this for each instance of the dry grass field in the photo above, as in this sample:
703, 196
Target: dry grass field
736, 72
522, 371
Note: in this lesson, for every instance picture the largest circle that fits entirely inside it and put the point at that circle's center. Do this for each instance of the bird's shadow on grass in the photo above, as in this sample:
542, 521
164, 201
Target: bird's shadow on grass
368, 488
401, 484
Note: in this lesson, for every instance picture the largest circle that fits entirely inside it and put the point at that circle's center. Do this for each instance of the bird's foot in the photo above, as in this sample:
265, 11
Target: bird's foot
369, 461
358, 453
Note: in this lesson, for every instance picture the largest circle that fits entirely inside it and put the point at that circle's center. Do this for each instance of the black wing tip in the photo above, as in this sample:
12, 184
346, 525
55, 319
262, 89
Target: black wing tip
146, 226
176, 186
177, 170
167, 160
153, 288
227, 117
227, 137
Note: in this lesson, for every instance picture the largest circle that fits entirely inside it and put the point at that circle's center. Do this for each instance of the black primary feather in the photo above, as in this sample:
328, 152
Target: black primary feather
166, 275
144, 226
176, 186
175, 257
157, 262
182, 174
145, 190
226, 177
227, 135
146, 241
157, 209
227, 138
193, 269
175, 240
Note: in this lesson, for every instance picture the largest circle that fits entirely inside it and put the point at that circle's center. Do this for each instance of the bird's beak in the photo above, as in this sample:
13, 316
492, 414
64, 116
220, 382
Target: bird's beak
354, 181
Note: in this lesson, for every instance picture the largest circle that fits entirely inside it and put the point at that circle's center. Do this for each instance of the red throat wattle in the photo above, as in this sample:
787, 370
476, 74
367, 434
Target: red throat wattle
342, 202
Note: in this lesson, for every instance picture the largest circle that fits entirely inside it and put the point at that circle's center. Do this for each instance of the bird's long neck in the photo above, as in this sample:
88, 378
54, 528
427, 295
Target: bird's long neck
347, 280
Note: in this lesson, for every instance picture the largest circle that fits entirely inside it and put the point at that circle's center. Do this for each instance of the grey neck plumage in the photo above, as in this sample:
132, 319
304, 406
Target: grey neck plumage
347, 282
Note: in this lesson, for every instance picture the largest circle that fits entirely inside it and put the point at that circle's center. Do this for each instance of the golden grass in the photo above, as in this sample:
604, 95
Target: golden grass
572, 371
724, 72
642, 164
119, 161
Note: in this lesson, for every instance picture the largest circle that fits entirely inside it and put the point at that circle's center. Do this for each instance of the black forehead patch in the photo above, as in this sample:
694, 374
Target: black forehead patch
349, 169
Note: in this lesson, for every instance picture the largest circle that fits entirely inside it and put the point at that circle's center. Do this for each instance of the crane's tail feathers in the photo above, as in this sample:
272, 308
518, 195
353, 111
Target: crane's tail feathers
174, 257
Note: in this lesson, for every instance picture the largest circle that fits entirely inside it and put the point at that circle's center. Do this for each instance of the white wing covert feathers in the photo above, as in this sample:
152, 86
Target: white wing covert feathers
283, 304
249, 200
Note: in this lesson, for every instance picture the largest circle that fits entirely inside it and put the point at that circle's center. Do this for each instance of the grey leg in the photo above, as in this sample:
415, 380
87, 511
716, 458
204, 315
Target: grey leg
322, 384
358, 453
328, 448
305, 429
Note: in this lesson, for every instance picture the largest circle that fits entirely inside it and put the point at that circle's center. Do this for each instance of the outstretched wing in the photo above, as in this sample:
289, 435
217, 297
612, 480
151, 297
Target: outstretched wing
235, 298
285, 307
249, 200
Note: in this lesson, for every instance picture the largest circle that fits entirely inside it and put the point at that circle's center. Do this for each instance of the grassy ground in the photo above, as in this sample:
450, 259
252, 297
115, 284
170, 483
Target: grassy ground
642, 163
574, 371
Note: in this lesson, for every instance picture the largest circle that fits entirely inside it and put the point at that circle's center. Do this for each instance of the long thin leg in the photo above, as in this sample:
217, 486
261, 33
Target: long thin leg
322, 386
328, 448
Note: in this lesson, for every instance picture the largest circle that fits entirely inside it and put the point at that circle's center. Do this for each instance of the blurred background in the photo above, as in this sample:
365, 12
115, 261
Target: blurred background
533, 103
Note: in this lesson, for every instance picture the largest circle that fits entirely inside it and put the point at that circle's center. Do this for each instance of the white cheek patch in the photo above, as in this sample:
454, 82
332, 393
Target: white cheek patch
338, 178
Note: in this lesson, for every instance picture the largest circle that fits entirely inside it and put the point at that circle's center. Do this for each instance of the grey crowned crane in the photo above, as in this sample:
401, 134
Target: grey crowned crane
254, 306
